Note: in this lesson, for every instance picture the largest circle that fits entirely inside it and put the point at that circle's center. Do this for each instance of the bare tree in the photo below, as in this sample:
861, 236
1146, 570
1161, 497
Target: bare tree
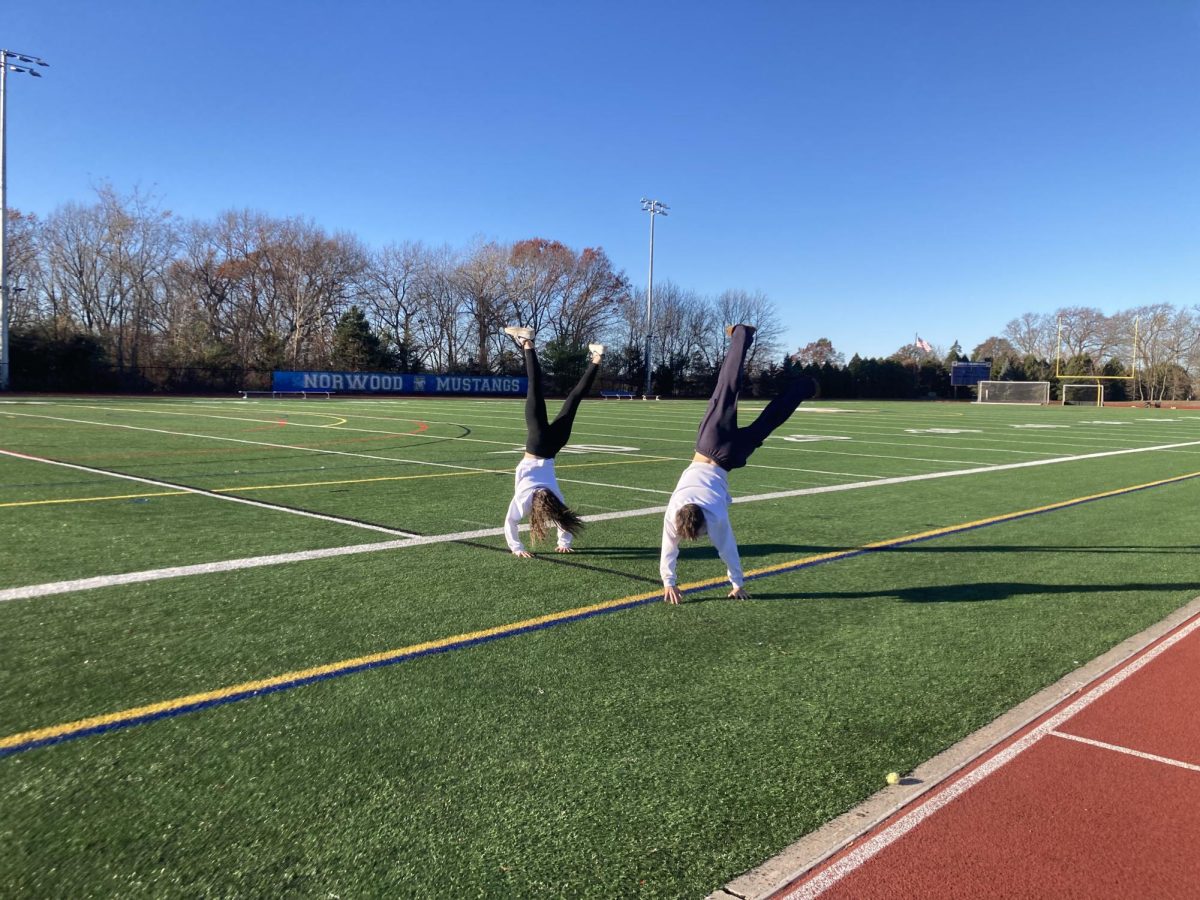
140, 242
391, 287
538, 271
676, 338
309, 275
440, 330
1167, 344
755, 309
481, 282
592, 299
24, 269
1087, 337
1033, 334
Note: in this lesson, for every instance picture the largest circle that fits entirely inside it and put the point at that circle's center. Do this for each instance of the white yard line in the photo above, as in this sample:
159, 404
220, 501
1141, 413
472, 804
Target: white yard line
578, 432
395, 459
20, 593
229, 498
392, 459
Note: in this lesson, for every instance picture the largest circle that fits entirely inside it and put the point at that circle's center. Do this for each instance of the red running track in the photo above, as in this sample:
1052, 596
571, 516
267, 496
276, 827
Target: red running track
1098, 798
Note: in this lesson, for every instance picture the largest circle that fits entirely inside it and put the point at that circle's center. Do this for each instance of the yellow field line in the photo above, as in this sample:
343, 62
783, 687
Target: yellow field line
91, 499
276, 682
263, 684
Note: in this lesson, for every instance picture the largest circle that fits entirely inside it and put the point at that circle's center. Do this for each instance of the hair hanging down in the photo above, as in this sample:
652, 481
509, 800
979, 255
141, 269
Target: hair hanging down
689, 521
548, 510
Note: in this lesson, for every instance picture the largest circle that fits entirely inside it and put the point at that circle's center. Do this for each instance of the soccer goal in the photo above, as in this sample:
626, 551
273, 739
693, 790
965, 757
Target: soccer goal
1083, 394
1013, 392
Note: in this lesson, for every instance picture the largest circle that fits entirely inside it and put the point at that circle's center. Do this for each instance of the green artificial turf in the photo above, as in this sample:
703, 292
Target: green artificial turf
656, 751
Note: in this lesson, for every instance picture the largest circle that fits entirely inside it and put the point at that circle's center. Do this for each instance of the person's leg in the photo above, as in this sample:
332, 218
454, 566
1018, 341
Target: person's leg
559, 431
718, 428
775, 414
535, 406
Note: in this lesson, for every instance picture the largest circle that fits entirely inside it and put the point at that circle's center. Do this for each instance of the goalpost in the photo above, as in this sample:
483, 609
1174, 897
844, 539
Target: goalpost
1083, 394
1079, 394
1035, 392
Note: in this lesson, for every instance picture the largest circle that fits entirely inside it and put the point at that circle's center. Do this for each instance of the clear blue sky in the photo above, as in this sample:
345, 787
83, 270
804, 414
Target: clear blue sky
877, 167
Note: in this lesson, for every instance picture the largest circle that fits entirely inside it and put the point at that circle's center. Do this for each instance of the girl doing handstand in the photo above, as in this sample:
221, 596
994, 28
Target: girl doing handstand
700, 502
537, 494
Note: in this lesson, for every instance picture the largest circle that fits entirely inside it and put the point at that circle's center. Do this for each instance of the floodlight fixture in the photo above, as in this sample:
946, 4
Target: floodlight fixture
28, 61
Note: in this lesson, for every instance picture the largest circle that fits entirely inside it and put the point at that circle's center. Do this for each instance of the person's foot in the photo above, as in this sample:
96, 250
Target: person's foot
597, 351
750, 329
523, 336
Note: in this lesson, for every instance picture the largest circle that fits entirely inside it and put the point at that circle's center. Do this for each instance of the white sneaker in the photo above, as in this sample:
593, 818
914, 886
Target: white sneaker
518, 333
596, 349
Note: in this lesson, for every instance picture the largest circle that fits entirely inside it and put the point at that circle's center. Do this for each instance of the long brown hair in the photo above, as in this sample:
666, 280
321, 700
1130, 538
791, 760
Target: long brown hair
548, 510
689, 521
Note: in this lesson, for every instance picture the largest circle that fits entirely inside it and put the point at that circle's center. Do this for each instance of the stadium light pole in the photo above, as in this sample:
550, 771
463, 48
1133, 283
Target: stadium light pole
655, 208
9, 62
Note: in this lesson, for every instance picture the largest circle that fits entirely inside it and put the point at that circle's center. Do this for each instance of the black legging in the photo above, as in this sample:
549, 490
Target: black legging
544, 438
720, 438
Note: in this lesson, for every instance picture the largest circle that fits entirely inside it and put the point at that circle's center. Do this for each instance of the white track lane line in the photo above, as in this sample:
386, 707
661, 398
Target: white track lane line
1129, 751
902, 826
231, 498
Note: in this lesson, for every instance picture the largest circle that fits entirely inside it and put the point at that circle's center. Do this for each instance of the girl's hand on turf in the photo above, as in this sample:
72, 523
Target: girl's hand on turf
524, 554
672, 595
738, 594
563, 550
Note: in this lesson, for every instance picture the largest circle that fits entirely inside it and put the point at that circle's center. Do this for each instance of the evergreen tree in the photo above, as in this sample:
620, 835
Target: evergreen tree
356, 348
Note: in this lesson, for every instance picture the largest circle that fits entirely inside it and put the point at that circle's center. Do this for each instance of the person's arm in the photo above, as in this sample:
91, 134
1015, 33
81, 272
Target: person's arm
667, 558
511, 521
564, 542
721, 534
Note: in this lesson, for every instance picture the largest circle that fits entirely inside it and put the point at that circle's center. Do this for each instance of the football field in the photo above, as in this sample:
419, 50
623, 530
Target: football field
280, 647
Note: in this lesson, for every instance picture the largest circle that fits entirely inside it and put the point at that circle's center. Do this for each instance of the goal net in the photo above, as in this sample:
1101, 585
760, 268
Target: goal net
1083, 395
1013, 392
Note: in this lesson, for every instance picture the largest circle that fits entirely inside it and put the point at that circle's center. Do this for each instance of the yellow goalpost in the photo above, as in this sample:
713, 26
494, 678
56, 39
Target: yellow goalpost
1098, 379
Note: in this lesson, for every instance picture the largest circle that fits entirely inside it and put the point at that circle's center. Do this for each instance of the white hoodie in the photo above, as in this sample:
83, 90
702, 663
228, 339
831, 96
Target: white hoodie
533, 475
708, 487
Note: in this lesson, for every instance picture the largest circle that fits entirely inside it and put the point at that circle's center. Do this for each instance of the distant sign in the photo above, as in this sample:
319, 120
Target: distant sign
387, 383
970, 373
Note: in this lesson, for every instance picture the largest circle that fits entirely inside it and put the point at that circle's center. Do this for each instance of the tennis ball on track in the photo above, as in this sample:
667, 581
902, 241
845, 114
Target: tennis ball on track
893, 778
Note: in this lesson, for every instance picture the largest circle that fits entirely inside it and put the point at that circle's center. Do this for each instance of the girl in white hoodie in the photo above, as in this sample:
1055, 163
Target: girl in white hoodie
700, 502
537, 494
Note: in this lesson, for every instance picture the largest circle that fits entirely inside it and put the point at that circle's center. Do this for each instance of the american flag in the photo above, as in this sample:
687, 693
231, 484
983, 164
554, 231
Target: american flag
923, 345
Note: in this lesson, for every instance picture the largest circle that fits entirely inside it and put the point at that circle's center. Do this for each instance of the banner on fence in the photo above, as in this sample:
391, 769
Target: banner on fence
386, 383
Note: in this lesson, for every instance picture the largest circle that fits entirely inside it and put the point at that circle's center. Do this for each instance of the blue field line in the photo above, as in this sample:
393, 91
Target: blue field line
312, 679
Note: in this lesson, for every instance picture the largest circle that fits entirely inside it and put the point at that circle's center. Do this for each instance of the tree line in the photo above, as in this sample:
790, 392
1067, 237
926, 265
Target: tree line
120, 294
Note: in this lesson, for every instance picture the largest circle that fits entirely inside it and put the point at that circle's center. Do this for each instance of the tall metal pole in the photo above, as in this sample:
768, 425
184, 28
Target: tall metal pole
655, 208
24, 64
649, 312
3, 226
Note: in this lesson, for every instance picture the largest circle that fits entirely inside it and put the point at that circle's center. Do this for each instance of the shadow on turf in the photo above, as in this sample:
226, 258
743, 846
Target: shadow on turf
969, 593
922, 547
702, 549
571, 560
